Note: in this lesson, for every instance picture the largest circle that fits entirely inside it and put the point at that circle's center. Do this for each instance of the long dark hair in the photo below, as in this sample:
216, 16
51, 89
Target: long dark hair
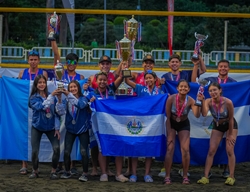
34, 87
79, 92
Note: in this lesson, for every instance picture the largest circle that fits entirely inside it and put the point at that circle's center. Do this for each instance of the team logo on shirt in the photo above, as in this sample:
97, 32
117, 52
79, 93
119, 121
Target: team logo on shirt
135, 126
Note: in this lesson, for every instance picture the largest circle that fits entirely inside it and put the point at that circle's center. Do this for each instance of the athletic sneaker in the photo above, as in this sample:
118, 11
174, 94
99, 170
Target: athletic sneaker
83, 178
162, 173
225, 174
60, 170
73, 171
180, 172
53, 176
65, 175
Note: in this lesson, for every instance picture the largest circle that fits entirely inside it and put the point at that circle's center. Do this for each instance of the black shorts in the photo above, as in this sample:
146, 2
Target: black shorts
223, 127
180, 126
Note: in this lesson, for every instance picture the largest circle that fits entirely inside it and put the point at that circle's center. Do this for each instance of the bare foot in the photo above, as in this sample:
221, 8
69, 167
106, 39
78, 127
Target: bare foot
94, 172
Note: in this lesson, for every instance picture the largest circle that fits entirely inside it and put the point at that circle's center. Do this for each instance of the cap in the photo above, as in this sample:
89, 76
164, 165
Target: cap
105, 58
148, 58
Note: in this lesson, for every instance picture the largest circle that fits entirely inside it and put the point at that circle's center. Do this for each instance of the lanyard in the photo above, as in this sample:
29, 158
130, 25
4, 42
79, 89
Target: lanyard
217, 110
172, 77
73, 77
73, 112
31, 75
154, 89
102, 94
179, 110
220, 80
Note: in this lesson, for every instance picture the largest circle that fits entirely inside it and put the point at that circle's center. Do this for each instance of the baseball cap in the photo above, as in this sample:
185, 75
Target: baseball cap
105, 58
148, 58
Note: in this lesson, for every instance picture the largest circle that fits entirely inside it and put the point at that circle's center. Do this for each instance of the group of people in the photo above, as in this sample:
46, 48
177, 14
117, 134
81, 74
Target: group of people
50, 108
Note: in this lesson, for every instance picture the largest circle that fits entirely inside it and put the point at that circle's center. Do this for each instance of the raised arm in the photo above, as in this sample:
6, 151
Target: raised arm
55, 51
203, 68
130, 83
196, 109
118, 81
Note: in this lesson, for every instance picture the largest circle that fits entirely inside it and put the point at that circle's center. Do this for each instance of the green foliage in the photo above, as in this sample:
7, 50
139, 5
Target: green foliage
119, 20
91, 20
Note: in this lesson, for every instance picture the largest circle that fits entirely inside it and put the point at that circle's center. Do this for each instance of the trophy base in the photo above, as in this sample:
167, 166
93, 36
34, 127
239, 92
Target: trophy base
196, 57
51, 38
60, 85
126, 73
122, 92
198, 104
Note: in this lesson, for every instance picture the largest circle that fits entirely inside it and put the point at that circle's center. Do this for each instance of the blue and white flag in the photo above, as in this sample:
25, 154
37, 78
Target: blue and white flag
15, 126
239, 93
130, 127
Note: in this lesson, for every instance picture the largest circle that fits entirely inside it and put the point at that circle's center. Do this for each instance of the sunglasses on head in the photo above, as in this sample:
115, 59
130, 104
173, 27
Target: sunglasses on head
71, 62
150, 72
33, 53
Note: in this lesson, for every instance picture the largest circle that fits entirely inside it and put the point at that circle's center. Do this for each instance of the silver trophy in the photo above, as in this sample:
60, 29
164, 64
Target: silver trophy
59, 71
53, 25
198, 44
203, 83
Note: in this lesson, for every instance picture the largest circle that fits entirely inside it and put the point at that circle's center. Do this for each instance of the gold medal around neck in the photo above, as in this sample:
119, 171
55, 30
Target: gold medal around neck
73, 122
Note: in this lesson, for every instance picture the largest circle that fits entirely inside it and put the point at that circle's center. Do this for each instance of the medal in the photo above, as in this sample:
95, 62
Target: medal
48, 115
178, 119
179, 110
217, 123
73, 122
217, 110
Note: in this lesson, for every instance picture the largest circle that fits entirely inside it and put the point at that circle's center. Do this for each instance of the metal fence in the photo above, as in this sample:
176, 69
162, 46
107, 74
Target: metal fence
87, 56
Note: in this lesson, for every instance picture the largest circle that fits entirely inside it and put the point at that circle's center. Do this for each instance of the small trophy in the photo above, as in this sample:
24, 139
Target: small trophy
203, 83
53, 26
124, 50
198, 44
59, 71
122, 89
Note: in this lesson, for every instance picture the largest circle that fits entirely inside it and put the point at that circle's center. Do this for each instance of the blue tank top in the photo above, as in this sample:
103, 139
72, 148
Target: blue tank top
68, 78
26, 74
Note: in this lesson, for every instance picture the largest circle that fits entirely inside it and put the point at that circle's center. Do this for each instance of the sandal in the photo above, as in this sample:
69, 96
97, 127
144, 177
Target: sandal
148, 179
133, 178
203, 180
186, 181
230, 181
33, 175
121, 178
23, 171
167, 181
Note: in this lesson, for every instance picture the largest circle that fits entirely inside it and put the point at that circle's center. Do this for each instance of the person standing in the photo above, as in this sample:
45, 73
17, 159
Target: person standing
44, 120
177, 109
30, 74
77, 125
222, 110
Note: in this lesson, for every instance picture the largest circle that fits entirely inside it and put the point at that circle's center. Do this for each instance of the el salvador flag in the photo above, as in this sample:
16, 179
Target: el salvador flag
130, 127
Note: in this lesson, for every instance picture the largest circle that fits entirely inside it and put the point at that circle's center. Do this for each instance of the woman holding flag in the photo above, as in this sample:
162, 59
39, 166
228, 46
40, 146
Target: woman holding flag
105, 91
150, 89
177, 109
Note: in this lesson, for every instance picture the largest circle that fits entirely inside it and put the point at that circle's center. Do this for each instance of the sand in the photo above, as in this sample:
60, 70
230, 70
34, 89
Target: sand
11, 180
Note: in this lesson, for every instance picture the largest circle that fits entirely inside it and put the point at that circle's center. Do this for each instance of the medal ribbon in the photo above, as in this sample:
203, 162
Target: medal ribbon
31, 75
47, 110
73, 77
178, 109
102, 94
73, 112
220, 81
217, 109
172, 77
